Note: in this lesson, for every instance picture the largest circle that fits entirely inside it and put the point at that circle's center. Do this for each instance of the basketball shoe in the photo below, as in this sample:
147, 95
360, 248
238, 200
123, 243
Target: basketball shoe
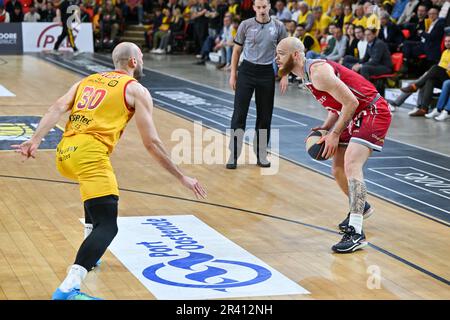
74, 294
351, 241
368, 211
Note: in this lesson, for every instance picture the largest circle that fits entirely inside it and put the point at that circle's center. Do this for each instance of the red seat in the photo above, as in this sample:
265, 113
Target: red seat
397, 63
406, 33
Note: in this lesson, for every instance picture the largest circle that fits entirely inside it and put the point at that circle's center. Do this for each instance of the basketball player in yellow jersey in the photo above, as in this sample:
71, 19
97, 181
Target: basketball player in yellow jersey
101, 106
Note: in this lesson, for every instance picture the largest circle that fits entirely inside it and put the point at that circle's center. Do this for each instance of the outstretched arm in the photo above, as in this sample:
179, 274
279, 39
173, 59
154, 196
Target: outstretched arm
143, 104
62, 105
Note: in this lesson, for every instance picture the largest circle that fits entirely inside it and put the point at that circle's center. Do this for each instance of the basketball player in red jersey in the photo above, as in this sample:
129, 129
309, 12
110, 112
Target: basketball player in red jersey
357, 123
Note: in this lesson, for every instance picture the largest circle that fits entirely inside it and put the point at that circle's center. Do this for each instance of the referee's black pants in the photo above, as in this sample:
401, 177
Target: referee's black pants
66, 32
261, 80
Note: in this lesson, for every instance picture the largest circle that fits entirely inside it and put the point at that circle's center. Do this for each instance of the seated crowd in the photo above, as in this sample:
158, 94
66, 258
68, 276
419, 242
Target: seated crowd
372, 37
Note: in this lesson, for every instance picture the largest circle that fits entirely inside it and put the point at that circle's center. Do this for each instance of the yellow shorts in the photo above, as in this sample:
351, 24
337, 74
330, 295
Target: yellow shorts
85, 159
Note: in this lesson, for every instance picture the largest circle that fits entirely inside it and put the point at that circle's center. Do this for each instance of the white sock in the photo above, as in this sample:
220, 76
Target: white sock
87, 229
356, 220
74, 278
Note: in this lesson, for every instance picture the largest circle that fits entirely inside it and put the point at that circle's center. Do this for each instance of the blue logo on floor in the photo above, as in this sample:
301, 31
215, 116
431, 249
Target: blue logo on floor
213, 271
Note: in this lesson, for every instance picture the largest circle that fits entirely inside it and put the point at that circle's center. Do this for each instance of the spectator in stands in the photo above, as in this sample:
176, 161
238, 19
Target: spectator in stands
390, 33
156, 23
348, 14
442, 110
133, 7
377, 59
4, 15
408, 12
283, 13
418, 23
176, 28
338, 17
371, 13
163, 29
48, 14
321, 22
433, 78
295, 11
399, 8
360, 19
306, 17
350, 59
10, 7
109, 24
234, 8
224, 44
172, 5
200, 24
338, 50
444, 13
290, 27
32, 15
17, 15
430, 43
309, 41
352, 44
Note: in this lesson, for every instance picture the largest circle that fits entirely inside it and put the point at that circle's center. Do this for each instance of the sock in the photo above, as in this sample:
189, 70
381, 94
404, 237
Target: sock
87, 229
74, 278
356, 220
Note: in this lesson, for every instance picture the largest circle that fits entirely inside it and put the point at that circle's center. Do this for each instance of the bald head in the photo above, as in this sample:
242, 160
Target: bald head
291, 45
123, 52
127, 56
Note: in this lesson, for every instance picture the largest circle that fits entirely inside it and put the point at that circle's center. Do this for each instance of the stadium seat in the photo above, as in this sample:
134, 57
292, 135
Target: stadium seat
381, 79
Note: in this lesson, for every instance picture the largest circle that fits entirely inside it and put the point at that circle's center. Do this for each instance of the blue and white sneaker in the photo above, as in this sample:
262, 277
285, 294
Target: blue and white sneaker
368, 211
74, 294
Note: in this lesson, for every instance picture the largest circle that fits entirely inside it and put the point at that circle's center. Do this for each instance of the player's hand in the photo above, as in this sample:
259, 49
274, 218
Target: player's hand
322, 127
195, 186
284, 83
233, 79
27, 149
331, 141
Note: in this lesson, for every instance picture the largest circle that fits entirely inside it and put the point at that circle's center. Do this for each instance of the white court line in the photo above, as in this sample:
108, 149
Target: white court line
253, 108
5, 92
195, 114
406, 182
409, 157
430, 164
394, 191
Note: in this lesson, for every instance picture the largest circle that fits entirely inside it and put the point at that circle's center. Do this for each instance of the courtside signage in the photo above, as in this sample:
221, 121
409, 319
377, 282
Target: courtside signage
180, 257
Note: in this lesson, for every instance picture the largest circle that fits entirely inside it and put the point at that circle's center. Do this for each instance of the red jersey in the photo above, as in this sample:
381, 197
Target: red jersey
363, 90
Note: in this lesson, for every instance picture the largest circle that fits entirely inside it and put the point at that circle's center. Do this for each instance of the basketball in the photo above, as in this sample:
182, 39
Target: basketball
315, 150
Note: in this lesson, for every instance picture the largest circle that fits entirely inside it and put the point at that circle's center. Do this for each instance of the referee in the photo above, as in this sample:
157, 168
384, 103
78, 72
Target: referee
258, 38
66, 30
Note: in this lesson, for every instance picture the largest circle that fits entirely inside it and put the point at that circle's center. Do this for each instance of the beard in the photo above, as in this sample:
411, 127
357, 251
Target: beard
287, 67
138, 72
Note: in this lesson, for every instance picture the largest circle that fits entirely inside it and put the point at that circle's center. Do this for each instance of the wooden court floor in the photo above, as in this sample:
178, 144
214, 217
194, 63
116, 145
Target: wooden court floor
40, 231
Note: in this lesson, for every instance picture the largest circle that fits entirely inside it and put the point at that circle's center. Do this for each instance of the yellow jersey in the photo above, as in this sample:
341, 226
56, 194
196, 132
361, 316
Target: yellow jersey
316, 46
445, 61
100, 108
322, 25
360, 22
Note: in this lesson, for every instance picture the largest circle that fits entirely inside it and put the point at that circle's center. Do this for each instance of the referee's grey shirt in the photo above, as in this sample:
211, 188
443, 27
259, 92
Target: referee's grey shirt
259, 40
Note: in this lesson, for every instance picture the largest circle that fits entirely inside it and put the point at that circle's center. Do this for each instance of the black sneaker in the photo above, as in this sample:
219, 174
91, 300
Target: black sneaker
368, 211
351, 241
